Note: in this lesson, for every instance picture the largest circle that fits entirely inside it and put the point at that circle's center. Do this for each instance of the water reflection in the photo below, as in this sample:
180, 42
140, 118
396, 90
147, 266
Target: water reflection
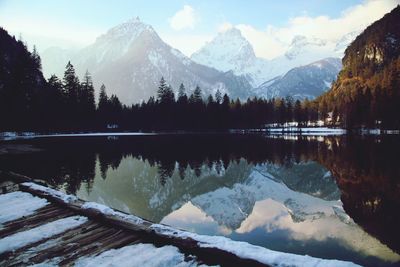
331, 197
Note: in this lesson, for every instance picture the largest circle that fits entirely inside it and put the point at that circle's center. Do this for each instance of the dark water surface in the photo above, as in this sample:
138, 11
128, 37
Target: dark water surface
328, 197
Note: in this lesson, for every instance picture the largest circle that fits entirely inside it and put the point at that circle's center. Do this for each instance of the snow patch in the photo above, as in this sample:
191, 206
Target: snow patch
185, 60
64, 197
109, 211
308, 130
16, 205
149, 256
328, 84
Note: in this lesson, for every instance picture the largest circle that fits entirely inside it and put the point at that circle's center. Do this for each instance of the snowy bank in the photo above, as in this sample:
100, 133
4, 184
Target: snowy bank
308, 130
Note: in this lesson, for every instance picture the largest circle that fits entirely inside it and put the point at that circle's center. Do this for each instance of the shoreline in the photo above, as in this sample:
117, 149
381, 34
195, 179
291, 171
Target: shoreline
279, 131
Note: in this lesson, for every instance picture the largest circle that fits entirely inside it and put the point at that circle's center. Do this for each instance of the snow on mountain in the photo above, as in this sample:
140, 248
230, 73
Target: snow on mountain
231, 206
345, 41
307, 81
301, 44
302, 51
229, 50
131, 58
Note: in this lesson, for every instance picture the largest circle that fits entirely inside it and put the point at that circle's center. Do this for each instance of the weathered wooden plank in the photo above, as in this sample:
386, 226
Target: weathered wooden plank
121, 241
23, 256
34, 221
70, 246
46, 209
109, 241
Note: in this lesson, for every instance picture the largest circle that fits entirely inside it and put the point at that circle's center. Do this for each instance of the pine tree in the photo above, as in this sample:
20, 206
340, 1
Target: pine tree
103, 99
197, 95
169, 96
72, 92
218, 97
161, 90
55, 83
36, 59
210, 100
182, 97
181, 91
71, 84
87, 93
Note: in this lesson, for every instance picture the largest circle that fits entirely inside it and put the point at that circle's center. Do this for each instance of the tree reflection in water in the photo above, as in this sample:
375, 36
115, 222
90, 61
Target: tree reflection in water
366, 169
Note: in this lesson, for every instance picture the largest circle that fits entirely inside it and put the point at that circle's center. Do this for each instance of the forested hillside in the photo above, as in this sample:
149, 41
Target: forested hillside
367, 91
21, 81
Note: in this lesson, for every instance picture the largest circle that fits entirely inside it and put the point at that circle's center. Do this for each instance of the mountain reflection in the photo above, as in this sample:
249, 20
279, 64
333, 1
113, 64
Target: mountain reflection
303, 189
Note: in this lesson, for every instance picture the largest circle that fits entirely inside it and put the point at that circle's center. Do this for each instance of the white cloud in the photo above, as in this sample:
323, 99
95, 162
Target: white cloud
273, 41
183, 19
265, 45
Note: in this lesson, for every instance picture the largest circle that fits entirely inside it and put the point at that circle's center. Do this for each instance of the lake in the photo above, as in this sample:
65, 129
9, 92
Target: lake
334, 197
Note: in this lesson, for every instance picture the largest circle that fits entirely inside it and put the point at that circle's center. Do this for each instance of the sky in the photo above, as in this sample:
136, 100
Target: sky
187, 25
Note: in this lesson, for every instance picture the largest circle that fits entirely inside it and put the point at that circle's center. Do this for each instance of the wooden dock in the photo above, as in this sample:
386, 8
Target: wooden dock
98, 233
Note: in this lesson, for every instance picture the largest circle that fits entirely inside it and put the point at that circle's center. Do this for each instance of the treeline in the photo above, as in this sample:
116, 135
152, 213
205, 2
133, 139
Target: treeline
195, 111
74, 108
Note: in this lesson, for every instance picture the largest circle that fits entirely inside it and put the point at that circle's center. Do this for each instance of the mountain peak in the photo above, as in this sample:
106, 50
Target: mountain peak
134, 20
232, 32
129, 29
229, 50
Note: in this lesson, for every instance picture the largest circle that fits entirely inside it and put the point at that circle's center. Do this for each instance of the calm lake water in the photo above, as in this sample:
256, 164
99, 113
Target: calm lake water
328, 197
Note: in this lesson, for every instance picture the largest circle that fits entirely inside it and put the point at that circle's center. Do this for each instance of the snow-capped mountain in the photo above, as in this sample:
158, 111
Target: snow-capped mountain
302, 51
307, 81
131, 58
229, 50
231, 206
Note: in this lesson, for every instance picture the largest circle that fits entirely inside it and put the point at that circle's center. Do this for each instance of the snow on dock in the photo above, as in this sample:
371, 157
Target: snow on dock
55, 229
19, 204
